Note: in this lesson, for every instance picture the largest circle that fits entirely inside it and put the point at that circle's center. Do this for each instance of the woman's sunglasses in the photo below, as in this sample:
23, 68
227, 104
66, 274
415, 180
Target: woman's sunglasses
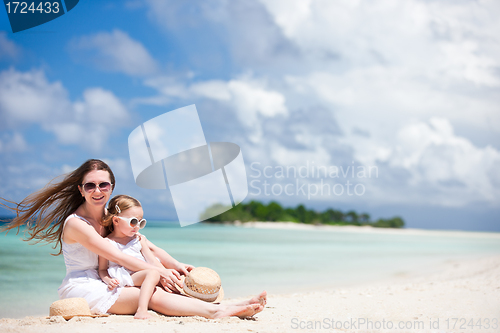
134, 221
104, 187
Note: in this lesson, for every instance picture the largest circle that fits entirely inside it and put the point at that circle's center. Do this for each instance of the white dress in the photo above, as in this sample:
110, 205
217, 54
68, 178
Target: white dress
82, 278
132, 248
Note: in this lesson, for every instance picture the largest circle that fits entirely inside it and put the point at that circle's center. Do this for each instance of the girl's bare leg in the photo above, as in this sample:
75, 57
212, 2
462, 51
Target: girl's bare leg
178, 305
147, 279
127, 302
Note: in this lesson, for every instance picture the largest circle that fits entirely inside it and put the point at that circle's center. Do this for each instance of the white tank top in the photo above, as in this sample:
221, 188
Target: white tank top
76, 256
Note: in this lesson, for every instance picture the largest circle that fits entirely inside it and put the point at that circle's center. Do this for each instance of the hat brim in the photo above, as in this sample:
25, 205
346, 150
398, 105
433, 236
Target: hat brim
68, 317
217, 300
72, 307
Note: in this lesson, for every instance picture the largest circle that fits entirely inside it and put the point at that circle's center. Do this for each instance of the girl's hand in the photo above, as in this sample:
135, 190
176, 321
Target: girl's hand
169, 279
113, 283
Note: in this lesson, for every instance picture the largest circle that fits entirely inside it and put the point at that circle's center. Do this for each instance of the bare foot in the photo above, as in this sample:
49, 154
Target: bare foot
250, 311
259, 299
142, 315
242, 311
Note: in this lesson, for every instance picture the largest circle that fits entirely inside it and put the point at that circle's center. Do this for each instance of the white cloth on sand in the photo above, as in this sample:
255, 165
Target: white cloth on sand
82, 278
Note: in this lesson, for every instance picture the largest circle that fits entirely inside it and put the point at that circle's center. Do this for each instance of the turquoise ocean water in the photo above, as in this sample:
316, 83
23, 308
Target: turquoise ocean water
250, 260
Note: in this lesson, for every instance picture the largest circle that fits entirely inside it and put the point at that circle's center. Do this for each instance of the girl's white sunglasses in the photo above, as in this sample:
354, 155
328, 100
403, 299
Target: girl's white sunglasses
134, 221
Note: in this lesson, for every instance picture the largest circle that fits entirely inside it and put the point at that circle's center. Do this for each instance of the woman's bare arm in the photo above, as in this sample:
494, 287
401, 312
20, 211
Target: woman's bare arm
78, 231
168, 261
147, 253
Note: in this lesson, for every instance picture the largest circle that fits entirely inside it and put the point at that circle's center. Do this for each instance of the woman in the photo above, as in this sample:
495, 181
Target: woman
70, 212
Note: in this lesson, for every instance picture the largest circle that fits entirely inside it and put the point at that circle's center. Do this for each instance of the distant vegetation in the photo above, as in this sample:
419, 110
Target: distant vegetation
257, 211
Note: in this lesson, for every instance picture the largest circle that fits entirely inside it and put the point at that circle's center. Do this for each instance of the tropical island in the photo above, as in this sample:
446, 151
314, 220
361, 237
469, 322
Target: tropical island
274, 212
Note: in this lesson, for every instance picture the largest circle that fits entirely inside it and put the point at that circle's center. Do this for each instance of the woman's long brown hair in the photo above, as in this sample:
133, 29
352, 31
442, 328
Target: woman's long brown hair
45, 211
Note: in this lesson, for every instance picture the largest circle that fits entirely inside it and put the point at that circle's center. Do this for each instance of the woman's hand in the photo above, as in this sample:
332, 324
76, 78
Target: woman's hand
169, 278
184, 269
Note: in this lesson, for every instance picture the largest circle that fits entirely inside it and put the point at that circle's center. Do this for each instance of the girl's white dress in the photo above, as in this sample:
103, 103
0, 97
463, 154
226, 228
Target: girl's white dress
133, 248
82, 278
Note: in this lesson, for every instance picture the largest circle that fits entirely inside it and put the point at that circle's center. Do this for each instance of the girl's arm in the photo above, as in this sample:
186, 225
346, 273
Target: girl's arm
103, 273
147, 253
167, 260
77, 231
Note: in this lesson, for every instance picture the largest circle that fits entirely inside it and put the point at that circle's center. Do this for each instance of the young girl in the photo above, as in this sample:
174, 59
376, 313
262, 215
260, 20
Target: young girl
123, 221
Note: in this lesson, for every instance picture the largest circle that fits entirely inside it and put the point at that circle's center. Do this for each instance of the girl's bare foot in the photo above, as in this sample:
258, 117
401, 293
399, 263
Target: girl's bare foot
142, 315
242, 311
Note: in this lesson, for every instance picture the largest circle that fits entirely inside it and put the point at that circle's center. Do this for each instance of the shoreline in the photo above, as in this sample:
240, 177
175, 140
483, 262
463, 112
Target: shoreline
464, 289
358, 229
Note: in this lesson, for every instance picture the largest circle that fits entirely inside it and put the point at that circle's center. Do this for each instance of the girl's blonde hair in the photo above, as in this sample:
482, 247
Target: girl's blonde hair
116, 205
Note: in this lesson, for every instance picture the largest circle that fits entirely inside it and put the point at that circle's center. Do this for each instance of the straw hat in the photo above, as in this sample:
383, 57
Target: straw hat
72, 307
202, 283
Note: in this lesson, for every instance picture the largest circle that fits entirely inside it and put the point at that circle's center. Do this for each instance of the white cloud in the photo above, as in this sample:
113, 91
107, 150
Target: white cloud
121, 169
380, 63
167, 86
251, 99
448, 167
435, 154
28, 98
13, 143
427, 163
20, 177
101, 106
382, 102
283, 156
94, 119
115, 51
68, 168
378, 97
154, 100
462, 61
214, 89
438, 40
71, 133
244, 28
8, 49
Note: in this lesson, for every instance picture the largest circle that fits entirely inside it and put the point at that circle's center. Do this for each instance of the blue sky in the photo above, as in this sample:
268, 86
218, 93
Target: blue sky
409, 89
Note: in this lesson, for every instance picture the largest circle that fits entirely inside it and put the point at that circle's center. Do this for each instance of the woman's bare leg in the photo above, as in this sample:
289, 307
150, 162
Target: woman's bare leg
147, 279
178, 305
259, 299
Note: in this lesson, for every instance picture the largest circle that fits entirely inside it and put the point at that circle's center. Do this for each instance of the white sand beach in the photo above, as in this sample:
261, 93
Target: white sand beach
463, 297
